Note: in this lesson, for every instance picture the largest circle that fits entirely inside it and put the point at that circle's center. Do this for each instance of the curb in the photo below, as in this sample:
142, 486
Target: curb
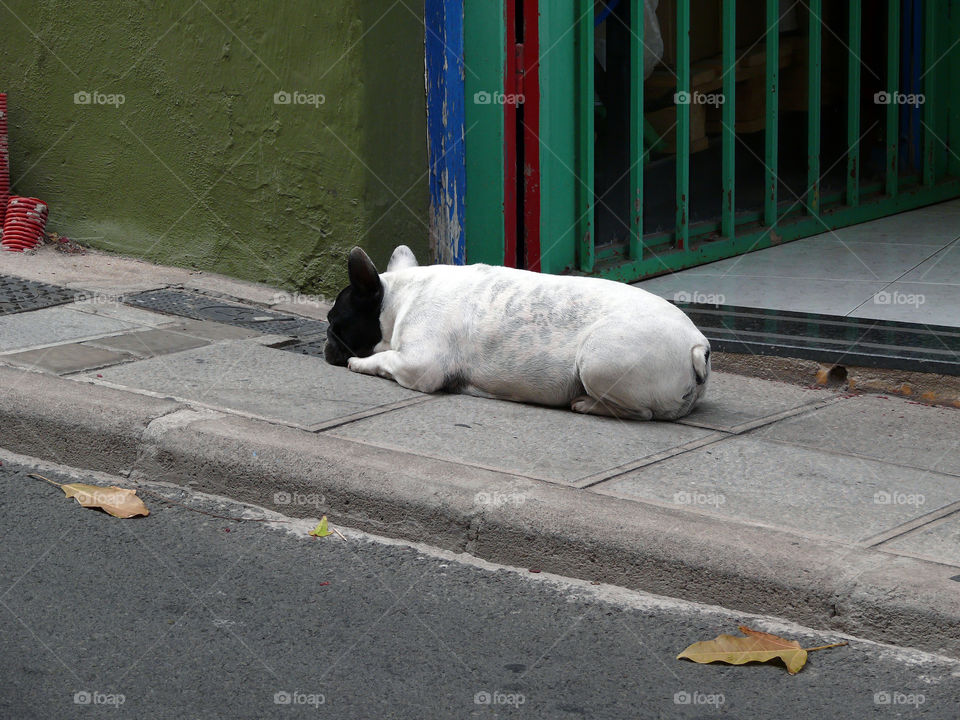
554, 528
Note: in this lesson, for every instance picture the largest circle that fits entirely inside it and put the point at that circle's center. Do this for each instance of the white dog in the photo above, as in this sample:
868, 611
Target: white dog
594, 345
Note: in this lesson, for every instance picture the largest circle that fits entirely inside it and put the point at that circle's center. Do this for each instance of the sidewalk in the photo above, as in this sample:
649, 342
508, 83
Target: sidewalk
839, 511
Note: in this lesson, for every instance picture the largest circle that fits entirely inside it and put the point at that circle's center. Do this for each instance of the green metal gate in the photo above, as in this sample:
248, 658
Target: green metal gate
903, 170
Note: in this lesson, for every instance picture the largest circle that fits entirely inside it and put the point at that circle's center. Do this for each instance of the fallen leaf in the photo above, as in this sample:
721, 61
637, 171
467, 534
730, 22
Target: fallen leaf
755, 647
321, 530
119, 502
116, 501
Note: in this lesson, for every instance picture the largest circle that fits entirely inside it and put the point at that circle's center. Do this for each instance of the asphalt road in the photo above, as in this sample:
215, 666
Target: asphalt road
182, 615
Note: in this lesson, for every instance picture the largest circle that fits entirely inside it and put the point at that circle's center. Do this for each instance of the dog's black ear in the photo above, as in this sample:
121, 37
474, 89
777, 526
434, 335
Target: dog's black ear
364, 277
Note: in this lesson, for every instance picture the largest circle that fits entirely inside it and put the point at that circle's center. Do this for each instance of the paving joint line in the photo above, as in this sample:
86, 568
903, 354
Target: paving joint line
857, 456
719, 434
907, 528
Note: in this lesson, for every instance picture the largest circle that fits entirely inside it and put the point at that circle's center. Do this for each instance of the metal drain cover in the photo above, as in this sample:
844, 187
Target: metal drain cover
307, 346
19, 295
201, 307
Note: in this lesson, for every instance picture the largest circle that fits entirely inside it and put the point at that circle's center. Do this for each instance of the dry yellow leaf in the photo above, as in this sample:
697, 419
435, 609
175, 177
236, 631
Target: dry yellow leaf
755, 647
119, 502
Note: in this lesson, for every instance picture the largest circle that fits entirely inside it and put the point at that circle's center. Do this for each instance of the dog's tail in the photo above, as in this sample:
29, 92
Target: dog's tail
701, 363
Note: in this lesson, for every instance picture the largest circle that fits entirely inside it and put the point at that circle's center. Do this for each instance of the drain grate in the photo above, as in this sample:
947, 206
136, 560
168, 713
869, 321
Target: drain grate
829, 338
201, 307
19, 295
307, 346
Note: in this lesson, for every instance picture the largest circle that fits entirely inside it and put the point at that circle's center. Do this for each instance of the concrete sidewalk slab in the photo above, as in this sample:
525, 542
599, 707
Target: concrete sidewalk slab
735, 400
938, 542
805, 491
547, 443
887, 429
65, 359
246, 377
111, 308
208, 330
149, 343
56, 325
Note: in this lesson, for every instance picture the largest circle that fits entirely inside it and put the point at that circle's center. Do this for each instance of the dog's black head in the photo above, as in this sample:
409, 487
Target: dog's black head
355, 317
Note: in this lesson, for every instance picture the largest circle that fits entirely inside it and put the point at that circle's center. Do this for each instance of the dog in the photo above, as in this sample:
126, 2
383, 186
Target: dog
595, 346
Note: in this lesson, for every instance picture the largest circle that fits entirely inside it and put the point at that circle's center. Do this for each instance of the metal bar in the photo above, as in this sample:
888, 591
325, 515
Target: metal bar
893, 87
813, 109
853, 105
585, 133
728, 204
772, 100
636, 127
929, 58
683, 99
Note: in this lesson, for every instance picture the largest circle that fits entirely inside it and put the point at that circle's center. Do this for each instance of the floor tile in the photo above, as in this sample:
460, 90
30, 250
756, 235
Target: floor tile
914, 302
827, 297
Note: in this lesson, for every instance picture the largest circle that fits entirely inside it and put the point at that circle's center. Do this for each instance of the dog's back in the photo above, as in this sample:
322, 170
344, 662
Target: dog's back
550, 339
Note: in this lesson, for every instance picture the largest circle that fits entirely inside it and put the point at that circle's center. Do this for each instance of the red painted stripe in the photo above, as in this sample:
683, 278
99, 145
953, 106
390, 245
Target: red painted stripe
531, 133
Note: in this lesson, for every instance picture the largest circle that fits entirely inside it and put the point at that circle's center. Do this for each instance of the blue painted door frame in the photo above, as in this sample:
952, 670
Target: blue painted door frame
443, 20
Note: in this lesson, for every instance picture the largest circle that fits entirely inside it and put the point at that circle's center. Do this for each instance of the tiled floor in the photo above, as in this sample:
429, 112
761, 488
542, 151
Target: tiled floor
905, 267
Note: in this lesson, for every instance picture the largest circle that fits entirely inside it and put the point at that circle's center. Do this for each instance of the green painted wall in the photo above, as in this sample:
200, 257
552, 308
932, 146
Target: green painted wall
198, 166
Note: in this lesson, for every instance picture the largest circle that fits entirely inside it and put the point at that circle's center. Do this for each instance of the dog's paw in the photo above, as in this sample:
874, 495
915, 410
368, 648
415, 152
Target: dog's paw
583, 404
354, 364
